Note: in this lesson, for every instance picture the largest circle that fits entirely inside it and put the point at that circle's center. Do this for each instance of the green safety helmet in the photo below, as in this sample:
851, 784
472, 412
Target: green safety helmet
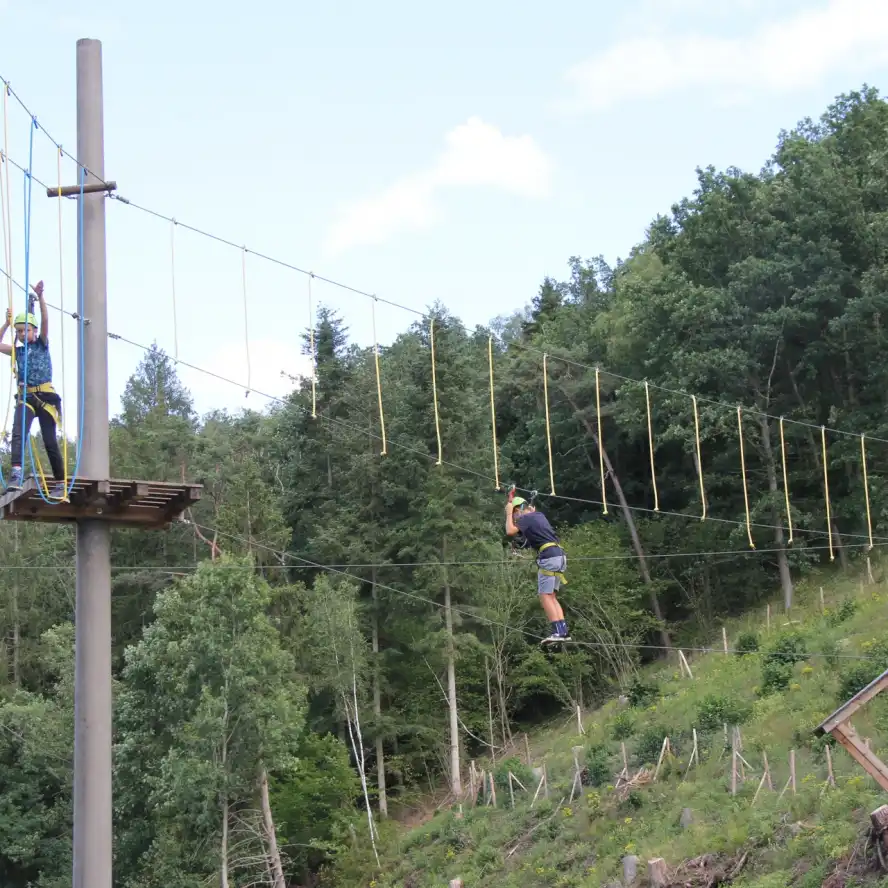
23, 318
518, 501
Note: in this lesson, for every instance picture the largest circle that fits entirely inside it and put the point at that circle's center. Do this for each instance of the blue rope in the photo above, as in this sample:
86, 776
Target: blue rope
80, 300
28, 182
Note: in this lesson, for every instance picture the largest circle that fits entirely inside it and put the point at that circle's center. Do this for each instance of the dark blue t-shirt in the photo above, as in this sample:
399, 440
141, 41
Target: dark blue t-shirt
535, 528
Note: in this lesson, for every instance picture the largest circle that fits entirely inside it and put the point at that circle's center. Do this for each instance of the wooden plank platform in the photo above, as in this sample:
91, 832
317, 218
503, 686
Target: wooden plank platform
153, 505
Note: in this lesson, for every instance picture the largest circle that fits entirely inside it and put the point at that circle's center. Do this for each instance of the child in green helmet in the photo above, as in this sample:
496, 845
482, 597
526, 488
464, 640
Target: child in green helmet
524, 520
40, 399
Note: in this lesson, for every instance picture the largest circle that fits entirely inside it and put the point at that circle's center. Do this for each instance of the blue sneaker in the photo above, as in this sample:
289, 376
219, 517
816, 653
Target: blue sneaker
58, 491
15, 479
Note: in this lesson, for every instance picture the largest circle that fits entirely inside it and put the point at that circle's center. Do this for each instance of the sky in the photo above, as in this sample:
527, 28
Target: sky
458, 154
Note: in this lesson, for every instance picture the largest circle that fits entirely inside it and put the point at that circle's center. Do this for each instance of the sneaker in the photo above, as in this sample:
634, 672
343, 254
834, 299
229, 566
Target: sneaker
15, 479
553, 639
58, 491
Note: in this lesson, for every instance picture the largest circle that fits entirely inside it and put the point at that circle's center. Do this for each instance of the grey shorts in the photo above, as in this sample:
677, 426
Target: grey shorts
547, 585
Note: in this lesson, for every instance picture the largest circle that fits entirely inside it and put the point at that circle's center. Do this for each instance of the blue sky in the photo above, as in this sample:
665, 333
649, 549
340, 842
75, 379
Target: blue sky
456, 153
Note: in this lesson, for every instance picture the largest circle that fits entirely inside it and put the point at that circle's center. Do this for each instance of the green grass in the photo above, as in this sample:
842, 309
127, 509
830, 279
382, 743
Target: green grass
795, 840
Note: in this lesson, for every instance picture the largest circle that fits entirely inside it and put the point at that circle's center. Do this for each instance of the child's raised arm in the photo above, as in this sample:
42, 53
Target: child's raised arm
44, 314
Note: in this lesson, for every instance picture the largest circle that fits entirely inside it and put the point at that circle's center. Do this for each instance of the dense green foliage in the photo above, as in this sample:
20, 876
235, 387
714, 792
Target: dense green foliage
355, 690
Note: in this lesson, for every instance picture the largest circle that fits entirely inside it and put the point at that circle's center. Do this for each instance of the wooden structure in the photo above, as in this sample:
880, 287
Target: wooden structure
839, 726
152, 505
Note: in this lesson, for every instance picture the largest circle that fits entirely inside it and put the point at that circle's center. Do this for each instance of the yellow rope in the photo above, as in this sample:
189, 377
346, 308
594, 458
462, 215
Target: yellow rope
493, 412
600, 441
699, 458
869, 523
173, 224
832, 556
435, 391
647, 398
743, 469
785, 481
246, 326
378, 377
548, 425
311, 329
62, 329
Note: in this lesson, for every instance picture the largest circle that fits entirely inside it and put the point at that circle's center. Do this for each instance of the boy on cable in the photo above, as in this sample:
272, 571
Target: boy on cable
40, 399
522, 518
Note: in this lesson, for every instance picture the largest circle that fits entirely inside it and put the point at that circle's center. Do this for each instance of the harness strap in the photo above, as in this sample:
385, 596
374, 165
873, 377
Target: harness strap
45, 388
552, 573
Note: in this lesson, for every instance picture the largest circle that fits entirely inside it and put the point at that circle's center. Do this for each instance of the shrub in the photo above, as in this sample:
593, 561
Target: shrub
598, 764
649, 744
788, 649
843, 612
623, 726
776, 676
855, 678
747, 643
641, 693
715, 710
518, 769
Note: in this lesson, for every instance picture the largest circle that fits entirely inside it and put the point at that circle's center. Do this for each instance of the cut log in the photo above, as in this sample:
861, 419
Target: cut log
658, 876
630, 869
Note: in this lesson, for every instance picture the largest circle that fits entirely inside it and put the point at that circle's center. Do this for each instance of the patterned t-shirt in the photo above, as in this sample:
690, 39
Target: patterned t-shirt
39, 363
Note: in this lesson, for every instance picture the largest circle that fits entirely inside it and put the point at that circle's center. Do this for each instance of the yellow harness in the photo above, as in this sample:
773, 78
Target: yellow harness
551, 573
43, 388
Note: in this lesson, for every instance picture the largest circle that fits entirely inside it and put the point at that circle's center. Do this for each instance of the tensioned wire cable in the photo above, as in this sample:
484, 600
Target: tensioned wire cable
497, 623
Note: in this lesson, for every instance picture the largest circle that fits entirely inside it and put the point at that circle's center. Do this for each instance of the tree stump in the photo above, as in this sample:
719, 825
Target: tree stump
456, 883
879, 820
657, 873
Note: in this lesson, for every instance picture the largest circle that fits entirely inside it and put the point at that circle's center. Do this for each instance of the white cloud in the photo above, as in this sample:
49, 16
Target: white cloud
477, 154
781, 56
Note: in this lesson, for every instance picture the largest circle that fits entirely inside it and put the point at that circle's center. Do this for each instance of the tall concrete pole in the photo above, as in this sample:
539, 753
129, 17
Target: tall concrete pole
92, 672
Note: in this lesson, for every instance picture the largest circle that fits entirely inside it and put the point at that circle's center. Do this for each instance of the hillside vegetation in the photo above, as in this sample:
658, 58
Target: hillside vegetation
811, 837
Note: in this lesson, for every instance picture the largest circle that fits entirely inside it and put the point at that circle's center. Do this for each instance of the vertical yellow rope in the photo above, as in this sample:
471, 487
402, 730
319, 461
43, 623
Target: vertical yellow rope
548, 426
246, 327
600, 441
785, 481
173, 225
699, 458
647, 398
493, 412
62, 327
435, 390
832, 556
378, 377
311, 336
743, 470
869, 523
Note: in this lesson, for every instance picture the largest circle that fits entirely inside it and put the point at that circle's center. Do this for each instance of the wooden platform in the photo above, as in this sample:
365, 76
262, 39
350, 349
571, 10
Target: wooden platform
149, 504
839, 725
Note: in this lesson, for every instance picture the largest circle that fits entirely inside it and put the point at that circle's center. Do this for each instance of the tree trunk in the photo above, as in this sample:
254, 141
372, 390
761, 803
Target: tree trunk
273, 852
837, 545
223, 869
490, 712
455, 780
16, 627
377, 704
505, 727
782, 560
630, 522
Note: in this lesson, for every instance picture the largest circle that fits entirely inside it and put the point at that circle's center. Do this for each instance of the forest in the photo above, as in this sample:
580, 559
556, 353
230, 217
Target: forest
341, 623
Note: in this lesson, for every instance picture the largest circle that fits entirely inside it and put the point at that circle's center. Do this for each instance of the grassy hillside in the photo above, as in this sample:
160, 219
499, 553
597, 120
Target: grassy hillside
811, 838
